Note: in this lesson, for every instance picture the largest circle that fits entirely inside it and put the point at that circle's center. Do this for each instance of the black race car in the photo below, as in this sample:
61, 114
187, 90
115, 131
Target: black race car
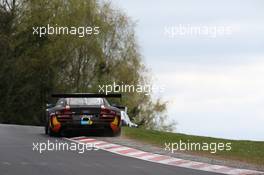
82, 112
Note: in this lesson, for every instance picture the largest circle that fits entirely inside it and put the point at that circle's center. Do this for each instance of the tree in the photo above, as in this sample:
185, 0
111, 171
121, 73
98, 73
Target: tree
33, 67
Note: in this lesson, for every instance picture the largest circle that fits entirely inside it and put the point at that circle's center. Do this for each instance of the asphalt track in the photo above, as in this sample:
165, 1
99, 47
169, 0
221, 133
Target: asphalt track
17, 157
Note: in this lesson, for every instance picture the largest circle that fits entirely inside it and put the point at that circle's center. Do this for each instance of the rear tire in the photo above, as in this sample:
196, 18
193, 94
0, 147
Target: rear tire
116, 134
50, 132
46, 128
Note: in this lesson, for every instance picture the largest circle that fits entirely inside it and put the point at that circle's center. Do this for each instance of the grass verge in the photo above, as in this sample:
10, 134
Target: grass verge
251, 152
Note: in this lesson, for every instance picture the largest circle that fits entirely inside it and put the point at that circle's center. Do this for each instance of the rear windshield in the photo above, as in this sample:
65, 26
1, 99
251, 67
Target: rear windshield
85, 101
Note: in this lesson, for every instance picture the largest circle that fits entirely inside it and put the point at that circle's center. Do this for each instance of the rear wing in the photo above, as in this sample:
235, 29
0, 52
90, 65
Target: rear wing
122, 108
86, 95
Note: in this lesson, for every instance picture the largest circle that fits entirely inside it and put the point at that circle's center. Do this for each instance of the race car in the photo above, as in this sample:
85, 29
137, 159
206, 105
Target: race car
82, 112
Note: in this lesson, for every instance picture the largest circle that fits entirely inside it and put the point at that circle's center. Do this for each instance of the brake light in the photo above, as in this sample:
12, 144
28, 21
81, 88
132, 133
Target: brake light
66, 112
107, 113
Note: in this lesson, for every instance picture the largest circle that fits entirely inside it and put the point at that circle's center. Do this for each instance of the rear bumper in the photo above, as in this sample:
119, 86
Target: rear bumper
78, 126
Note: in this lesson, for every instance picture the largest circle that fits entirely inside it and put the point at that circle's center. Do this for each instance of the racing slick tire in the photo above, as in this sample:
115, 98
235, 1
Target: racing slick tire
115, 134
49, 132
